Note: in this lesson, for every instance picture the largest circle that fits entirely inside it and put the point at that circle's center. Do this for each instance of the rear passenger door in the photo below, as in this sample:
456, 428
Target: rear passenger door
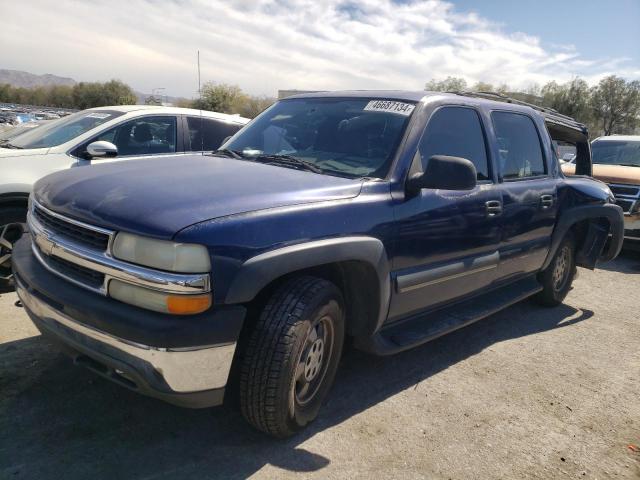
204, 134
529, 197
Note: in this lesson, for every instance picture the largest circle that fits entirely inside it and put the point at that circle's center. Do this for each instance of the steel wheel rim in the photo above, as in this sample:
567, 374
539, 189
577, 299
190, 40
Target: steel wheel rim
313, 361
561, 268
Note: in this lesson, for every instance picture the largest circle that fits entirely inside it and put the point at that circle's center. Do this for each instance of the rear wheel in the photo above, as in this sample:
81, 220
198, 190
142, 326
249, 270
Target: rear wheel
557, 278
12, 224
292, 355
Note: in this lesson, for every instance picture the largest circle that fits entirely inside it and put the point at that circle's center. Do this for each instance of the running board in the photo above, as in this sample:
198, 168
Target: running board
423, 328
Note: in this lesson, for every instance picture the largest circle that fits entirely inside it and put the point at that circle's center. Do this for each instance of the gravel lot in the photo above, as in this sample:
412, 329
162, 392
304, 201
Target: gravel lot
528, 393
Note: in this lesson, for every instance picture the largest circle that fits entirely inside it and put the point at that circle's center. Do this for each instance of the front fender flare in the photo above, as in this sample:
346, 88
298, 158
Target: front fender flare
257, 272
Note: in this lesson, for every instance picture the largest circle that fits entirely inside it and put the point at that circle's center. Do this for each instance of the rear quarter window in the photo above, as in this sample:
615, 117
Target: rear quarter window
208, 134
520, 152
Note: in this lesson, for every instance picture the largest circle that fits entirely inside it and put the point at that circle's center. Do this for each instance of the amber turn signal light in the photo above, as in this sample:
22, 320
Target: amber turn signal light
188, 304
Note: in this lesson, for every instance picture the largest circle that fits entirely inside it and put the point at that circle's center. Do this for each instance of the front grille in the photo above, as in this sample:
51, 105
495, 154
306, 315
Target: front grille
76, 272
624, 190
70, 230
624, 204
627, 197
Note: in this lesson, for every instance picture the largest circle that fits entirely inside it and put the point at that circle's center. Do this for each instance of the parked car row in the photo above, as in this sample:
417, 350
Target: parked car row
17, 114
389, 217
14, 131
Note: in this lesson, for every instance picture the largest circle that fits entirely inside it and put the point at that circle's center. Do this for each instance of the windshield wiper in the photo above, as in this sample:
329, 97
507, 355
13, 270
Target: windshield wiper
228, 153
628, 164
288, 160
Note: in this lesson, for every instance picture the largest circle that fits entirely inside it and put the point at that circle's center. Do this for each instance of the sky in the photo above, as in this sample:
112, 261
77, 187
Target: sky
266, 45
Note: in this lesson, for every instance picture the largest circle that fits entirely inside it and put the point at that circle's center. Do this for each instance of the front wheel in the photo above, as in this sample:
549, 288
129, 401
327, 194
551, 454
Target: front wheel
292, 355
557, 278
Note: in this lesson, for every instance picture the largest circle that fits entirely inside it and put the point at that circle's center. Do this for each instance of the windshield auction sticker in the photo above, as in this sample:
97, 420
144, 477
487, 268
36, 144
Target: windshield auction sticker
101, 116
390, 106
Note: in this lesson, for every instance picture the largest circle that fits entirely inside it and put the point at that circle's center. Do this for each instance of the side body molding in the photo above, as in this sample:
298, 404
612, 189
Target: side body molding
259, 271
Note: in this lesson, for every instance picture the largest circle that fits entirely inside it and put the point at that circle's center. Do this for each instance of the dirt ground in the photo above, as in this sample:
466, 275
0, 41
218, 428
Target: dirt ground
527, 393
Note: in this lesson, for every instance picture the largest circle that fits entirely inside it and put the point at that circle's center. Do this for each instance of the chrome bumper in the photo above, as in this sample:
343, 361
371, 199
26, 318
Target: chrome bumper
181, 370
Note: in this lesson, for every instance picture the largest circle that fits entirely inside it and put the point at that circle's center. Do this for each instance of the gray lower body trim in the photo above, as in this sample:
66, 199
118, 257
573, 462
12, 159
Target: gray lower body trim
444, 273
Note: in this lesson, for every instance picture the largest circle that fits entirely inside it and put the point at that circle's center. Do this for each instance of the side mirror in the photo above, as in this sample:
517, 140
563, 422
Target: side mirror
445, 173
102, 149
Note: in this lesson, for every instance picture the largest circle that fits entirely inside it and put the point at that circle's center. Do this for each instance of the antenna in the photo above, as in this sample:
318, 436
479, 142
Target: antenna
200, 105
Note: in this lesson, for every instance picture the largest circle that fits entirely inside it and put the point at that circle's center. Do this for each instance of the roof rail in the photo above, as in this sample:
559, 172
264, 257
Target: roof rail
549, 114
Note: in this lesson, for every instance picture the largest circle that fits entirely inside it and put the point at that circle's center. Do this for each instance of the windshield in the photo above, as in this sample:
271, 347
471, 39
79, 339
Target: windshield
60, 131
616, 152
355, 137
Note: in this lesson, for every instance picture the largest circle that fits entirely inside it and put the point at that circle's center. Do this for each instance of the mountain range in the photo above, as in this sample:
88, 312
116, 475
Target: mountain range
18, 78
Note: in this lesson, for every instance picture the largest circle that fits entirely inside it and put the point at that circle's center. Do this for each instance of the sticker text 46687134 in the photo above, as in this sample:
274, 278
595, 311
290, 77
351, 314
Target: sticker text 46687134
390, 106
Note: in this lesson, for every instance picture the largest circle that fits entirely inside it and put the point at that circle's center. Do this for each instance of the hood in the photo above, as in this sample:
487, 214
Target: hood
160, 196
17, 152
610, 173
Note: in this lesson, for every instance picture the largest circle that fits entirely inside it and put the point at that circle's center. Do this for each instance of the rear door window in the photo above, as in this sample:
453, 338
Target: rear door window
457, 132
206, 134
519, 146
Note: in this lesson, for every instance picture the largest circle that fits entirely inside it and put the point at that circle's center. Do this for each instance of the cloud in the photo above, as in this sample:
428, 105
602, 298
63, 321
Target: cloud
267, 45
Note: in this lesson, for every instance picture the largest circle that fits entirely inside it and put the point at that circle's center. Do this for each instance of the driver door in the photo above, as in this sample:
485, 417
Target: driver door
447, 240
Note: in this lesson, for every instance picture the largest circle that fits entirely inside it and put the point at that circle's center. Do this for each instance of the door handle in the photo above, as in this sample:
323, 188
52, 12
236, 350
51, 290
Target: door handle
546, 201
494, 207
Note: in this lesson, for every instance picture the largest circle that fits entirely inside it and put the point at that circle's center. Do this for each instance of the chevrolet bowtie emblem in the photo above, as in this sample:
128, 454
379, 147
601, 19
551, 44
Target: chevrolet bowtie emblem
45, 243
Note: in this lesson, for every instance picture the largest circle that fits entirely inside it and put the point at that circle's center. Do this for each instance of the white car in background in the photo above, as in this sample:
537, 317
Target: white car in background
97, 135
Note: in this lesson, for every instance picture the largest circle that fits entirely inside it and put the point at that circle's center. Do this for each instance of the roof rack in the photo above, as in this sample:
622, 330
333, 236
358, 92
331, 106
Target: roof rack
549, 114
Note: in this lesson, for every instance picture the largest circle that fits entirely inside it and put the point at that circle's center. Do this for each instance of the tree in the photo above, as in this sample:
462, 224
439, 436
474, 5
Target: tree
616, 104
483, 87
116, 92
60, 96
449, 84
95, 94
184, 103
221, 98
82, 95
253, 106
571, 98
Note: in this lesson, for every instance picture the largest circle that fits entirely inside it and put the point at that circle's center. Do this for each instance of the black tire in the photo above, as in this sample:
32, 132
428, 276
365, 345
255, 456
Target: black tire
557, 278
10, 230
283, 355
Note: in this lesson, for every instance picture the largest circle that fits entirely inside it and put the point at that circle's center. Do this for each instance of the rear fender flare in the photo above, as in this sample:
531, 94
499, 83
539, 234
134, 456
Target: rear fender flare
568, 218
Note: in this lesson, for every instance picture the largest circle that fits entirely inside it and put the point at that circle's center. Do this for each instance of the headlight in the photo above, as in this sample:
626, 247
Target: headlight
161, 254
158, 301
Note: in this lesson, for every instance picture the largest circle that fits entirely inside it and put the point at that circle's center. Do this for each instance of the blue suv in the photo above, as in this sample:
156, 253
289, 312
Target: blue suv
387, 217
